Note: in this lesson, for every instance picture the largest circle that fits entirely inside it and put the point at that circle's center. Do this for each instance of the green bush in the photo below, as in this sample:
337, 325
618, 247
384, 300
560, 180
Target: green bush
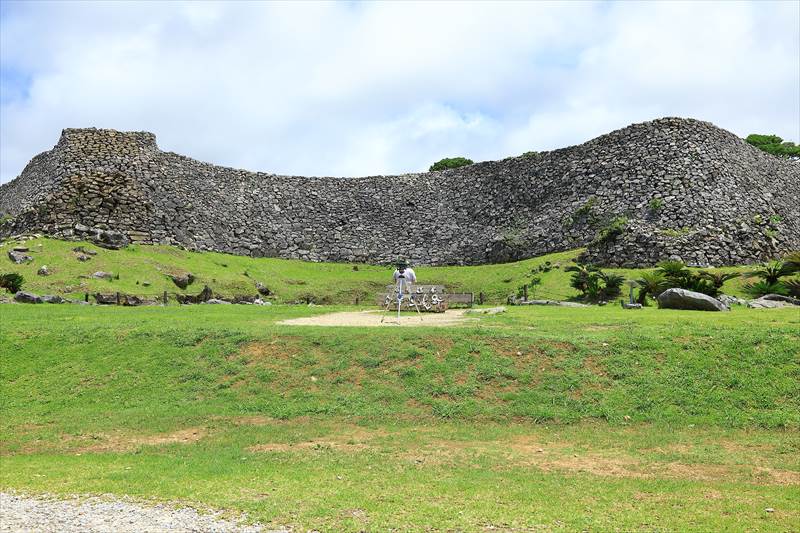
763, 287
11, 282
677, 276
611, 230
594, 284
450, 162
772, 144
655, 204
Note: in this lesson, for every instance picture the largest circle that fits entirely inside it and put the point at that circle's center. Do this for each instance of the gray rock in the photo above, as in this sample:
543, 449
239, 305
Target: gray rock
20, 249
731, 300
103, 275
27, 298
52, 299
82, 257
262, 289
105, 299
689, 300
773, 301
43, 271
19, 258
781, 298
113, 240
182, 280
216, 301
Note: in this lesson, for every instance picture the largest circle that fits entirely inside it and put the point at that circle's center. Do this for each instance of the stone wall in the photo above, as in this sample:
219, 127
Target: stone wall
674, 187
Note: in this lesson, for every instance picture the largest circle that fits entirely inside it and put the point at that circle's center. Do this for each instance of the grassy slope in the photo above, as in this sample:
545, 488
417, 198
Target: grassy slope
635, 413
289, 280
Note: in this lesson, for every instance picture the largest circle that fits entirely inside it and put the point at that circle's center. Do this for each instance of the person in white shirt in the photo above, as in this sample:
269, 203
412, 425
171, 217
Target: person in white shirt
406, 277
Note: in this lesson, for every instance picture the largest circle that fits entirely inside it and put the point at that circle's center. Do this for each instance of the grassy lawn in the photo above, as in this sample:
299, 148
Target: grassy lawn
534, 419
290, 281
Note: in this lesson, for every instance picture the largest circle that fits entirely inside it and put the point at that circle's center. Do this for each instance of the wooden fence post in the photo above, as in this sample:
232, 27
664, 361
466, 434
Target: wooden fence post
164, 301
525, 292
117, 298
480, 297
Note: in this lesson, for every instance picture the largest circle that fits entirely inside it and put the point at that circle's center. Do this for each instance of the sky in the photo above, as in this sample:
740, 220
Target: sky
351, 89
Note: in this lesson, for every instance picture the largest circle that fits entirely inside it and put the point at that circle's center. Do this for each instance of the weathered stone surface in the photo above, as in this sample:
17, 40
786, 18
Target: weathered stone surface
105, 299
19, 258
773, 301
731, 300
82, 257
557, 303
52, 299
27, 298
43, 271
204, 295
683, 299
103, 275
216, 301
182, 280
781, 298
262, 289
687, 188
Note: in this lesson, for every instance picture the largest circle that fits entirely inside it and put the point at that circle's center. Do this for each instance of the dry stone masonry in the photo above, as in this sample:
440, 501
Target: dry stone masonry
667, 188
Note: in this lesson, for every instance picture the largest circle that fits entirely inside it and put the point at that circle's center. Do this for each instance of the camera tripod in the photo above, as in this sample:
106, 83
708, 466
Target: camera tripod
399, 291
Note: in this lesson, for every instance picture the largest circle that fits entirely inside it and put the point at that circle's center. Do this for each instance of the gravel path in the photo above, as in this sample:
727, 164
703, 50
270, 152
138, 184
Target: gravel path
95, 514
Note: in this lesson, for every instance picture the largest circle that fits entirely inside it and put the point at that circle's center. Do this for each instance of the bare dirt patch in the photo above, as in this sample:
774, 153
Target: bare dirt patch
116, 442
451, 317
352, 439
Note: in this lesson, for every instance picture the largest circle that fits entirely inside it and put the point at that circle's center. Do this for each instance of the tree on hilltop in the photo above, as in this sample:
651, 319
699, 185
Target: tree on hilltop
450, 162
772, 144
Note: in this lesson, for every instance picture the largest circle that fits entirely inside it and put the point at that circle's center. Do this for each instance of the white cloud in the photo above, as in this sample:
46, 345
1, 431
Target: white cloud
368, 88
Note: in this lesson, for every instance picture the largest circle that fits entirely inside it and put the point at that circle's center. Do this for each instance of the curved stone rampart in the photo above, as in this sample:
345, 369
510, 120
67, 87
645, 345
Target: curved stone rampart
670, 187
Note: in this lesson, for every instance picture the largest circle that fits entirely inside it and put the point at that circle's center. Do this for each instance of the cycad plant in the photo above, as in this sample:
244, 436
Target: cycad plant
718, 279
651, 284
580, 276
771, 272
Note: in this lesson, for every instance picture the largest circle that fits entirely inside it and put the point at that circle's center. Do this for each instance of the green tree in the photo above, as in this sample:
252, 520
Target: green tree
450, 162
772, 144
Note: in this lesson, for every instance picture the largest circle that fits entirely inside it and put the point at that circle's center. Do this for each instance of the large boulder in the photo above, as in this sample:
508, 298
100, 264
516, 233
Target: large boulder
103, 275
182, 280
694, 301
112, 240
27, 298
52, 299
773, 301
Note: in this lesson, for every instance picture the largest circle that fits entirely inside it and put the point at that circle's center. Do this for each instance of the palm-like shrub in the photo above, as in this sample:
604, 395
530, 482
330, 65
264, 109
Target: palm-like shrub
11, 282
792, 286
792, 260
580, 276
760, 288
678, 276
718, 279
651, 284
594, 284
771, 272
612, 285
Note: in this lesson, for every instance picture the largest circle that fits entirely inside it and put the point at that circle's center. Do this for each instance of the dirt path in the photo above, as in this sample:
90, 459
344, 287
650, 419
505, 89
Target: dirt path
450, 317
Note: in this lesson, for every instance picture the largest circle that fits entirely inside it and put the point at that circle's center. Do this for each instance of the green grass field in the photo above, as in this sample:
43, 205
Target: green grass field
290, 281
535, 419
